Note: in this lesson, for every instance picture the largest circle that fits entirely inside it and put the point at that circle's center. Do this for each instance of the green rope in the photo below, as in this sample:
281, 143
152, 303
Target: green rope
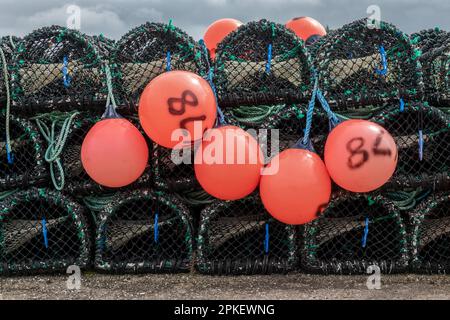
255, 114
55, 142
6, 194
8, 103
109, 85
405, 200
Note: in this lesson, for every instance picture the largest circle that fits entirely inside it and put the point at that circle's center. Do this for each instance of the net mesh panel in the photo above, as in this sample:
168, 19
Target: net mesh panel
431, 235
346, 62
28, 244
244, 75
7, 45
334, 242
434, 168
436, 74
240, 237
27, 167
131, 239
75, 177
39, 80
174, 169
143, 53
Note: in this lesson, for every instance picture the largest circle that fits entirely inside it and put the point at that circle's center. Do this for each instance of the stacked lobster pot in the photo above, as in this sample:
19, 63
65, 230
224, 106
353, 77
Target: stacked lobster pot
263, 78
374, 72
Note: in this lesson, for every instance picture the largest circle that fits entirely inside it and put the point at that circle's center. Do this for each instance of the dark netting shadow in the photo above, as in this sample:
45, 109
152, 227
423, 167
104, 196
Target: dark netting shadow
173, 170
262, 63
148, 51
341, 241
419, 124
436, 74
24, 166
7, 45
73, 178
42, 231
59, 68
350, 68
142, 231
240, 237
431, 235
427, 40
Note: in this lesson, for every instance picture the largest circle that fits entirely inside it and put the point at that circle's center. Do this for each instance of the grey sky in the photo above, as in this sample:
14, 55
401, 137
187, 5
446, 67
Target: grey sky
113, 18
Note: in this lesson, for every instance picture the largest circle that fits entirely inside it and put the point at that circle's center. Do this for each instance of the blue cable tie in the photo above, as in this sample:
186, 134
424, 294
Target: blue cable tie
9, 155
168, 62
366, 233
66, 77
420, 145
266, 240
156, 226
402, 105
44, 232
384, 70
269, 59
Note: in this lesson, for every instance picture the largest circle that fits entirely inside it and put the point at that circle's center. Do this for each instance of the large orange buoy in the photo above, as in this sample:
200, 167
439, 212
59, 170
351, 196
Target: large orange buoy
295, 187
306, 28
173, 104
217, 31
360, 155
228, 165
114, 153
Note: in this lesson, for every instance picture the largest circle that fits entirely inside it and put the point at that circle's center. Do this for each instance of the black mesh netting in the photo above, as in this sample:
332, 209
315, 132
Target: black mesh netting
353, 233
7, 46
64, 134
148, 51
427, 40
240, 237
422, 135
431, 235
436, 74
24, 165
350, 69
59, 68
42, 230
262, 63
144, 231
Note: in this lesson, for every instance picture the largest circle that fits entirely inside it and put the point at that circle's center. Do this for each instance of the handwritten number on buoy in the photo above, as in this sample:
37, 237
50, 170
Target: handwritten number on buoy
188, 98
356, 148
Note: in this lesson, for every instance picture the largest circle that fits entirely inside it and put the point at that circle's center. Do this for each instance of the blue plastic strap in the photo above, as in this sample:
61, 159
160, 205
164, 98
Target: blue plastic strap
334, 120
366, 233
420, 145
44, 232
269, 59
402, 105
266, 239
384, 70
65, 70
168, 61
9, 154
156, 228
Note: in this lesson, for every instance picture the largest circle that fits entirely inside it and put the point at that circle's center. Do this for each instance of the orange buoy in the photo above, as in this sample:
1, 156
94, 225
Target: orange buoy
360, 155
217, 31
228, 165
306, 28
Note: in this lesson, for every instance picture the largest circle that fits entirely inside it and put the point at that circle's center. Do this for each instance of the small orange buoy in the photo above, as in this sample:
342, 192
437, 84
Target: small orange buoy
295, 187
114, 153
174, 104
217, 31
228, 165
306, 28
360, 155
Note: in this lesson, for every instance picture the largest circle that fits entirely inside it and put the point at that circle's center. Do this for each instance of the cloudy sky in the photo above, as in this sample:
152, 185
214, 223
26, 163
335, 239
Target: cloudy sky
113, 18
